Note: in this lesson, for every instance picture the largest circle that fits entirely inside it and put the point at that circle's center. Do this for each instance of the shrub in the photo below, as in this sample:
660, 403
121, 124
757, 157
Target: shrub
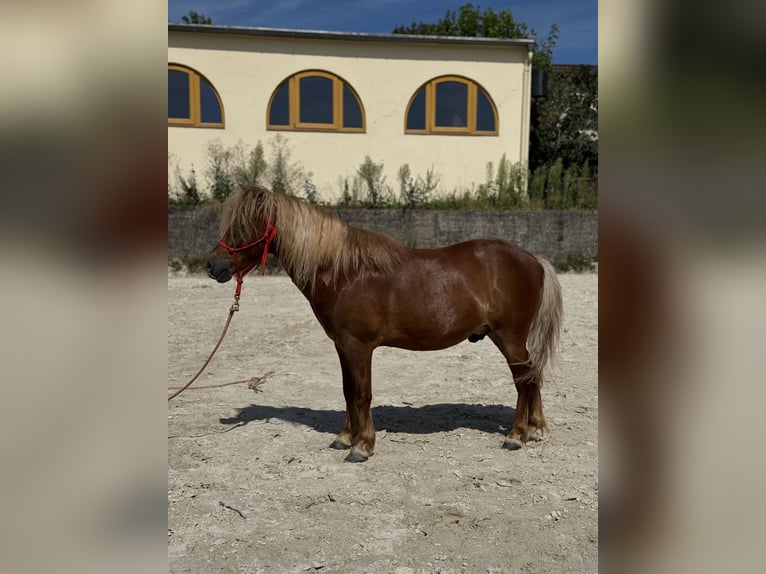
310, 191
576, 262
284, 177
189, 194
511, 184
416, 192
249, 167
220, 172
373, 182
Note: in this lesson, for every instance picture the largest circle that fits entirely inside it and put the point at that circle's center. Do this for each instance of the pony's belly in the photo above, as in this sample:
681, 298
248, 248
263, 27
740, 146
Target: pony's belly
426, 339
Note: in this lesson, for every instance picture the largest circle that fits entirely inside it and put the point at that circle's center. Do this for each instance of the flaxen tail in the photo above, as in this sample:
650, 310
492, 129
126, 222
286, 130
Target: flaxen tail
543, 339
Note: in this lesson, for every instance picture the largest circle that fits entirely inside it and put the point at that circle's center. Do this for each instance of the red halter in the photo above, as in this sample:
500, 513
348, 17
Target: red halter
268, 237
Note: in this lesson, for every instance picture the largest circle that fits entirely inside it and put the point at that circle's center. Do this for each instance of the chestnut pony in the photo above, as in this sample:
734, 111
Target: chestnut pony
368, 291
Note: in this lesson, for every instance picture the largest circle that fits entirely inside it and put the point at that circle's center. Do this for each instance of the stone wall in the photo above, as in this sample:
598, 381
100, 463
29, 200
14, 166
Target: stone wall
193, 231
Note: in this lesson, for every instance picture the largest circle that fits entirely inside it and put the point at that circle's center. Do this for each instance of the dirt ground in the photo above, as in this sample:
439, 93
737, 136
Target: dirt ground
254, 488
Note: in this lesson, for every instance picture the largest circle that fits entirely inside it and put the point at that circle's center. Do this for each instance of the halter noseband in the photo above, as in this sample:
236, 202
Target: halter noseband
268, 237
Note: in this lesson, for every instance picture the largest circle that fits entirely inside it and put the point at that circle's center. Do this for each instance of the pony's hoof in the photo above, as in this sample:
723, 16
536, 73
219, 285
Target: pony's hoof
512, 444
356, 456
537, 434
339, 445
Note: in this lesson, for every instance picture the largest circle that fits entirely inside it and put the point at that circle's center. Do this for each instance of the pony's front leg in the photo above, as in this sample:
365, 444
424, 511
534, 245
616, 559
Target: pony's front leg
358, 431
343, 440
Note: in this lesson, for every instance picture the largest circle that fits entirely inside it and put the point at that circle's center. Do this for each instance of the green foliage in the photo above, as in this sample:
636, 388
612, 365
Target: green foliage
576, 262
505, 189
347, 198
371, 174
555, 187
249, 167
310, 191
220, 170
564, 125
553, 195
190, 264
507, 185
543, 56
284, 176
456, 200
196, 265
368, 187
195, 18
416, 192
189, 192
175, 264
471, 21
230, 167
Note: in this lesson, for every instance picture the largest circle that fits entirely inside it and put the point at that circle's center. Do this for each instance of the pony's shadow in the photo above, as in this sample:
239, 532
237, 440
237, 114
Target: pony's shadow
394, 419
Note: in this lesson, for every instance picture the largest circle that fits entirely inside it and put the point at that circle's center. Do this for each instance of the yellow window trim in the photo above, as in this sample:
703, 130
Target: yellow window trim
430, 112
295, 124
195, 120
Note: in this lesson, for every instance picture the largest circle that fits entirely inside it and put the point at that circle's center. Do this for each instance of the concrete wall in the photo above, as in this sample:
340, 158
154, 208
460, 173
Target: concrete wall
193, 232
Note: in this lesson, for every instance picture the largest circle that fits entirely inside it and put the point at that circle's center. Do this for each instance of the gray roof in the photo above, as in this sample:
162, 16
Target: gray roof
349, 36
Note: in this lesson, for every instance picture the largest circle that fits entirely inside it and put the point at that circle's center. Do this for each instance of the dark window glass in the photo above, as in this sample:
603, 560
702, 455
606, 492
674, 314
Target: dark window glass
179, 106
451, 105
485, 117
279, 114
316, 100
352, 113
416, 118
211, 110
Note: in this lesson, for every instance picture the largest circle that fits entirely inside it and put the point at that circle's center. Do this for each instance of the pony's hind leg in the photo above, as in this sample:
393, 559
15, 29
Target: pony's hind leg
528, 422
343, 440
537, 425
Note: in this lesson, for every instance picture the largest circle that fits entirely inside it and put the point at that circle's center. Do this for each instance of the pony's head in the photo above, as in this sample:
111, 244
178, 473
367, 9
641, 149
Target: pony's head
310, 239
246, 234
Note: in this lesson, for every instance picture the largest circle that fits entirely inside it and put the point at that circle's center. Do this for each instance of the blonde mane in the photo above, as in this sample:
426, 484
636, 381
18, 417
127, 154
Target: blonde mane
309, 238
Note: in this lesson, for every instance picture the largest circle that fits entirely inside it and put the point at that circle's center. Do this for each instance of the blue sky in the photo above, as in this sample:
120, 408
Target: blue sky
577, 19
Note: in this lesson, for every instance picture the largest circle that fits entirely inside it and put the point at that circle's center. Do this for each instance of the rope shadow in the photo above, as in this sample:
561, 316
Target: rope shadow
427, 419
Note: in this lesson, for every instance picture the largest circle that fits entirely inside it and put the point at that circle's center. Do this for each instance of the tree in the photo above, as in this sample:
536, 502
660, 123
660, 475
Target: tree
194, 18
565, 124
470, 21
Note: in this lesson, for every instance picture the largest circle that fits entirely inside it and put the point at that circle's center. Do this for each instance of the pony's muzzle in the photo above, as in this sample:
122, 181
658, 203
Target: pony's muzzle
218, 269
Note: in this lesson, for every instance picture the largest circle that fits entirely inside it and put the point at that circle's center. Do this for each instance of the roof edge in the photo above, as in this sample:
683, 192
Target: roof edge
349, 36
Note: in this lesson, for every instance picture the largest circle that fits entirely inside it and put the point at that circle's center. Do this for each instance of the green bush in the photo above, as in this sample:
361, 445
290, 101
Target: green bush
578, 263
370, 175
554, 187
507, 186
284, 176
250, 167
189, 191
220, 171
416, 192
367, 188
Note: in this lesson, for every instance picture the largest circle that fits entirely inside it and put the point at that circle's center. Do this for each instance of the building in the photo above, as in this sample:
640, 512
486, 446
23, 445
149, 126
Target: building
445, 104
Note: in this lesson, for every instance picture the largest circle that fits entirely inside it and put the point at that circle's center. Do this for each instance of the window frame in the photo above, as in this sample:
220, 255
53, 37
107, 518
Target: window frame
195, 101
472, 99
295, 124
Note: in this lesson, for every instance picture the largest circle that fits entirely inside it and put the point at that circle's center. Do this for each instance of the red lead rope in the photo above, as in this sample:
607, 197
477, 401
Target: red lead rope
268, 237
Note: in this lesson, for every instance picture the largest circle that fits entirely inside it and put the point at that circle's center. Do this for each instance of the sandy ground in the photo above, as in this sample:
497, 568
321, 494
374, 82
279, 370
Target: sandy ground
254, 488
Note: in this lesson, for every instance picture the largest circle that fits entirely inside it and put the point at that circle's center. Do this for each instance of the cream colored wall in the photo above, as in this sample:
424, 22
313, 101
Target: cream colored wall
246, 70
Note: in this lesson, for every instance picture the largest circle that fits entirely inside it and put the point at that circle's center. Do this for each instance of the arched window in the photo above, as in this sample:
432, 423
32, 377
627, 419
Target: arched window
315, 101
192, 99
451, 105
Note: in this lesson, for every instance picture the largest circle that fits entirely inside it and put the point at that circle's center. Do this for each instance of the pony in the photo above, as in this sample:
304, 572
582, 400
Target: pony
367, 290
